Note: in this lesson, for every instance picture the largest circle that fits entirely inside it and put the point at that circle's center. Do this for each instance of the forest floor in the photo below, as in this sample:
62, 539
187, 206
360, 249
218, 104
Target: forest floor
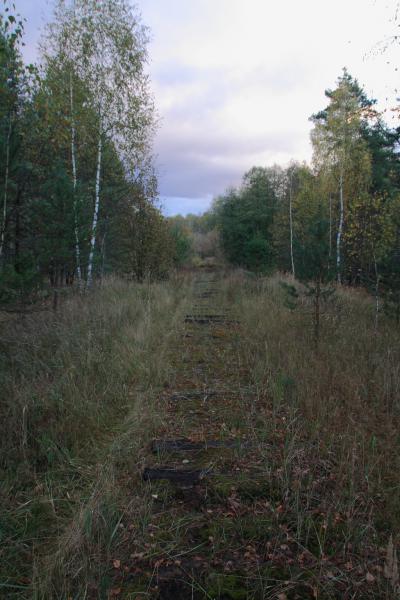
237, 463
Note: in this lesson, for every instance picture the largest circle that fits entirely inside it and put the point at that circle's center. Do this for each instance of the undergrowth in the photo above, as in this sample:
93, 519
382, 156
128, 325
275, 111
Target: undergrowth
307, 508
337, 408
77, 388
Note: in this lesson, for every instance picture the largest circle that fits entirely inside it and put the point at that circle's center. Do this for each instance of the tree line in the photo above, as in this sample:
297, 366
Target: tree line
77, 179
338, 218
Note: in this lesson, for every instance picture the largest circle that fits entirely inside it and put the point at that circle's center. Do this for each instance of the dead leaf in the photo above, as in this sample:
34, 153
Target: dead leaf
391, 570
115, 592
116, 563
370, 578
158, 563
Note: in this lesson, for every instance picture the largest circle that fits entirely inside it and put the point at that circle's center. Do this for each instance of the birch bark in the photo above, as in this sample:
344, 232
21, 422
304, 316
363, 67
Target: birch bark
96, 208
330, 226
74, 181
291, 222
5, 197
340, 229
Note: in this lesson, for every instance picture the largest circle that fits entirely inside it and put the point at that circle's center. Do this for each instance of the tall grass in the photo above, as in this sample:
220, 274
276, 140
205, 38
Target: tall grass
338, 408
76, 403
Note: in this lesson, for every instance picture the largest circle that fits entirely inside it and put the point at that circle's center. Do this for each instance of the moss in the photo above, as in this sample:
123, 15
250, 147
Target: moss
253, 527
251, 489
227, 587
221, 488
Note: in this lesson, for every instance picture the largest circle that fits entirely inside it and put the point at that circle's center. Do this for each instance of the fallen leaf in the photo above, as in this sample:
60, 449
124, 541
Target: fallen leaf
370, 578
117, 564
391, 570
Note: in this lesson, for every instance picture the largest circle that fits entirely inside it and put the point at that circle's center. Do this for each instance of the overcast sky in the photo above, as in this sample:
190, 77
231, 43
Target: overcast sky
235, 81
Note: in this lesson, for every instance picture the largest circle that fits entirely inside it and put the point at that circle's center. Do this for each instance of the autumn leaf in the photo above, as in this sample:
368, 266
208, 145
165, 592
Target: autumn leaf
391, 570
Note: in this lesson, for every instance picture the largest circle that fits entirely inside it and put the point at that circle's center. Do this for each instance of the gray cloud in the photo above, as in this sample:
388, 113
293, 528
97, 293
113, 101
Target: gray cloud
235, 81
196, 180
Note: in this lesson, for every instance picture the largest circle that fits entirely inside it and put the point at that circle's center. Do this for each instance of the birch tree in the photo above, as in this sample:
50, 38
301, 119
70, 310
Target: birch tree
11, 76
112, 57
291, 172
101, 46
61, 53
340, 150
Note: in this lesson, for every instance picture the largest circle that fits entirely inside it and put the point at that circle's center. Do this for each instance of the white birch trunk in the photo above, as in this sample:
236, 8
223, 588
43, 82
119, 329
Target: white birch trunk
330, 226
7, 174
74, 179
96, 209
340, 230
377, 305
291, 225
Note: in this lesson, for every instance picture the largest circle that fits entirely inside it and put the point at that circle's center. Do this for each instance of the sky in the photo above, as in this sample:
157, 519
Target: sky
235, 81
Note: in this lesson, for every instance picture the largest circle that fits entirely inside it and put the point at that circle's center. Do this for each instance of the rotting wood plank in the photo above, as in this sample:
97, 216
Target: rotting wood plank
185, 445
206, 316
204, 394
178, 476
201, 307
210, 319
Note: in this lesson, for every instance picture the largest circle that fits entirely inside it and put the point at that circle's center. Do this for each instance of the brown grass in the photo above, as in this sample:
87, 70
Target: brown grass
77, 391
83, 396
339, 406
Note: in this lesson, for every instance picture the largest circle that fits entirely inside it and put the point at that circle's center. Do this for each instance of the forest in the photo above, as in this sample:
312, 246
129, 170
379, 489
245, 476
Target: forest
78, 183
201, 406
334, 220
89, 207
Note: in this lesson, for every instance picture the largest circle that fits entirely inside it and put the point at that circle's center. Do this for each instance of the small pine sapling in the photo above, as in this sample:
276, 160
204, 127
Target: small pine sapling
291, 295
315, 270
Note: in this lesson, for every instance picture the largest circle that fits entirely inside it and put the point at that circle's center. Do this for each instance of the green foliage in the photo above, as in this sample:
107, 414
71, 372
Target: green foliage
291, 295
314, 260
49, 133
143, 246
245, 219
340, 218
17, 286
182, 242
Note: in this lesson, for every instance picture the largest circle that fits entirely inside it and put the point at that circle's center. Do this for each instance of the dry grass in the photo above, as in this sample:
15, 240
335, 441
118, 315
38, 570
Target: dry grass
338, 411
308, 510
77, 391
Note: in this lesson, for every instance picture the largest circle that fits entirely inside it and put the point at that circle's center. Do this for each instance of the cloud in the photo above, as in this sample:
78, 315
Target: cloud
235, 81
215, 160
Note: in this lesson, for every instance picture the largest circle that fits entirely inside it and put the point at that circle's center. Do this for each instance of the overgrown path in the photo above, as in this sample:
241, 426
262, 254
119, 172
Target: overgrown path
238, 502
208, 533
203, 469
185, 439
